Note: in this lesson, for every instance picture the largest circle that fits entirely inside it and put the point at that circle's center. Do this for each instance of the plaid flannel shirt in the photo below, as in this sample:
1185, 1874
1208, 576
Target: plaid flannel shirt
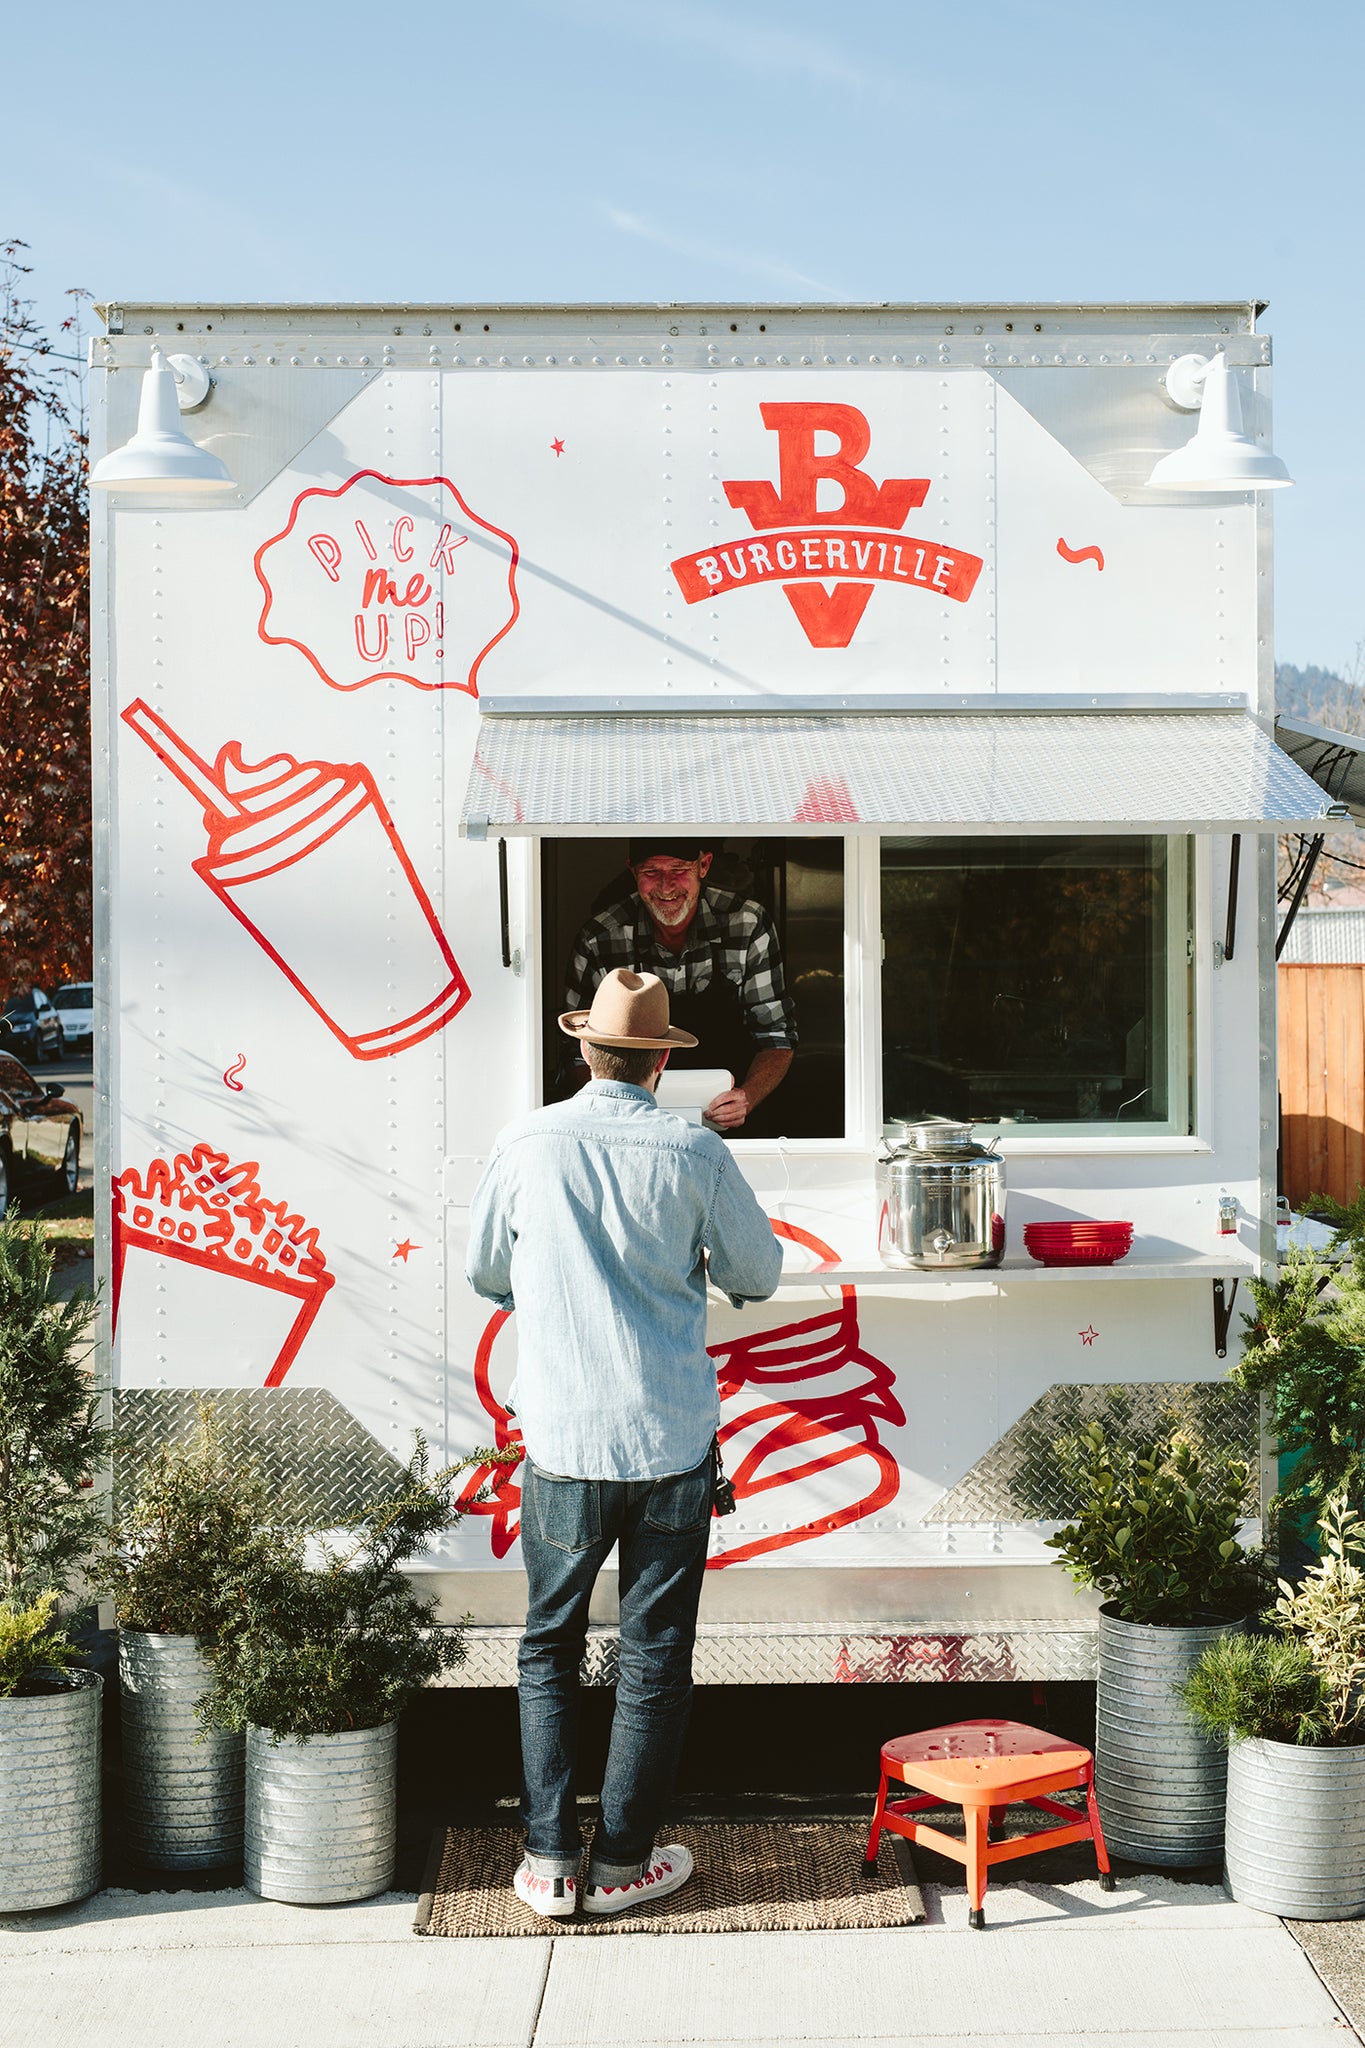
623, 935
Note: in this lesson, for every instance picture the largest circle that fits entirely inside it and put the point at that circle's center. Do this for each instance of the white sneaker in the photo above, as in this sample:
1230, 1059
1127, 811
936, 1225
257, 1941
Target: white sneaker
666, 1869
553, 1897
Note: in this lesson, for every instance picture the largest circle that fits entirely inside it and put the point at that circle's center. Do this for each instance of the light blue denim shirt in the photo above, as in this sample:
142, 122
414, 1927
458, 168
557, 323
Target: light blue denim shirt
596, 1220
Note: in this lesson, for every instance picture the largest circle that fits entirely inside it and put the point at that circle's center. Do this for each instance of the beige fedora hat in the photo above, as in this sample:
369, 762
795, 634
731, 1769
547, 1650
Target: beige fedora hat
627, 1009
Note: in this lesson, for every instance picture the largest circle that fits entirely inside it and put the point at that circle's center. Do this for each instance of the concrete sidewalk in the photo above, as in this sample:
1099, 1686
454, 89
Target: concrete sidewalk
1157, 1961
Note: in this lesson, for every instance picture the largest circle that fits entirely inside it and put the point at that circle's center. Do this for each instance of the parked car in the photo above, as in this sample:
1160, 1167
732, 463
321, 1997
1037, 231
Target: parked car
75, 1007
30, 1025
40, 1136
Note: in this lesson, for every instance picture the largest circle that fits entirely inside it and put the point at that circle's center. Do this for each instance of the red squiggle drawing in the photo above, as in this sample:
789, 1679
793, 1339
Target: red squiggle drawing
1080, 554
230, 1077
202, 1209
289, 842
799, 1401
369, 586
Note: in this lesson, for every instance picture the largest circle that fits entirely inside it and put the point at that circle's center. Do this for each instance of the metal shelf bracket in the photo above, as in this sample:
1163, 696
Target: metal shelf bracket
1222, 1314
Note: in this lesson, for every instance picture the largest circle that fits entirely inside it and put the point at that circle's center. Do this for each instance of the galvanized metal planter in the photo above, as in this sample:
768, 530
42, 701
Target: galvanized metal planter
321, 1815
1161, 1782
1296, 1830
50, 1836
182, 1795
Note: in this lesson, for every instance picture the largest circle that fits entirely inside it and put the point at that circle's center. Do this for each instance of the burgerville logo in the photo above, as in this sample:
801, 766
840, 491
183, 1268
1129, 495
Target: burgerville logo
826, 562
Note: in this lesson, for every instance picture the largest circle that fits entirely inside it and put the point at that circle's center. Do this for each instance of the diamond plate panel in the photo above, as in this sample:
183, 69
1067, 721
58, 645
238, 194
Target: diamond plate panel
903, 771
314, 1456
1020, 1479
740, 1653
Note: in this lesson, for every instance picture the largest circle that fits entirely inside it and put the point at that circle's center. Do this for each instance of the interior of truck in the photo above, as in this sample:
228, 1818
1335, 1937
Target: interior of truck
799, 882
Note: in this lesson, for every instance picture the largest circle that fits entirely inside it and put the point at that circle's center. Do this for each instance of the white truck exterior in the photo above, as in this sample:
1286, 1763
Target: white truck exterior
494, 580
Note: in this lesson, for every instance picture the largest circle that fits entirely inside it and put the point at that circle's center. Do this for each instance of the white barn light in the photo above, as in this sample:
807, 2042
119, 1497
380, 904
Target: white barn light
1221, 456
161, 456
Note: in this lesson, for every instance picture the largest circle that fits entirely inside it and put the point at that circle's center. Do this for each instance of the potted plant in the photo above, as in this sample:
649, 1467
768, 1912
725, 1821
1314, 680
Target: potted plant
51, 1524
1291, 1706
326, 1644
1157, 1534
197, 1516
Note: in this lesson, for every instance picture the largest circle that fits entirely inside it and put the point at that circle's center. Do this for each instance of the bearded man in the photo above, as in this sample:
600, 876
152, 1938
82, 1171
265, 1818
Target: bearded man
718, 956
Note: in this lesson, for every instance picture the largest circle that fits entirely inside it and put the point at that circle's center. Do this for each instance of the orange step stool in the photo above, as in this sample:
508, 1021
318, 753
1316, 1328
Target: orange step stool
985, 1767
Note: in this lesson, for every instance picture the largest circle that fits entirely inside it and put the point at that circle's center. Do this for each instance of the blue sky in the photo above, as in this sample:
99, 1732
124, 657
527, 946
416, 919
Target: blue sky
591, 149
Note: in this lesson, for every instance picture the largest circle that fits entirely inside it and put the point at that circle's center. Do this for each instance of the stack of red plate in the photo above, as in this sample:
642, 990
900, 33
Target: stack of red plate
1078, 1244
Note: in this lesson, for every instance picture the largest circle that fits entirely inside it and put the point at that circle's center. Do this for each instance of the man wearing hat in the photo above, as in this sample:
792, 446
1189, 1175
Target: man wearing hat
600, 1221
717, 953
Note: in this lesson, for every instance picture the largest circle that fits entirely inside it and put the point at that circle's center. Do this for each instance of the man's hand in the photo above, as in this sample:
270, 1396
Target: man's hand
729, 1110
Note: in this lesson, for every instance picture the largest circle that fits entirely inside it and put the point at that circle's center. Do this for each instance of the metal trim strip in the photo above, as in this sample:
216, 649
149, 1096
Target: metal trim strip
816, 1653
853, 707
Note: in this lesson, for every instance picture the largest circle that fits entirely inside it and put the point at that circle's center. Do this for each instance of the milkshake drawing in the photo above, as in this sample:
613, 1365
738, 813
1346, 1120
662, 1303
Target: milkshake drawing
288, 842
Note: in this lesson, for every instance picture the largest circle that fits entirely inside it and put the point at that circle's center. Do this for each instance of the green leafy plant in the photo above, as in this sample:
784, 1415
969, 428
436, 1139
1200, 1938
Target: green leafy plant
1326, 1613
198, 1518
1267, 1687
1157, 1529
1305, 1346
317, 1648
51, 1444
35, 1649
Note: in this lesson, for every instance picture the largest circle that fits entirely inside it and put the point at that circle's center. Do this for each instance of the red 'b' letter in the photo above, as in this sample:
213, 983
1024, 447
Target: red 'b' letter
800, 470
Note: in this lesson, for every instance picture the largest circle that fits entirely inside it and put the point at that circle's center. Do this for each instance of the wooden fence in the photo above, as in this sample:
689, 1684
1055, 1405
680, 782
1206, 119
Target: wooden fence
1322, 1080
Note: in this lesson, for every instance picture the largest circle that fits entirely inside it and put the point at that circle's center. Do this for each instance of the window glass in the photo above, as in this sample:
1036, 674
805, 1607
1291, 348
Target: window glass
798, 884
1031, 981
16, 1080
76, 998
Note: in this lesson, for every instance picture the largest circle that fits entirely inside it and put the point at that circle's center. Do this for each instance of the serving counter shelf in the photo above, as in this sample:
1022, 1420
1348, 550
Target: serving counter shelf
872, 1273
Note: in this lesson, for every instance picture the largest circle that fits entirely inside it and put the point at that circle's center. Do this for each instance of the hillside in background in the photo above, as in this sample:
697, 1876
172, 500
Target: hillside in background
1322, 695
1325, 697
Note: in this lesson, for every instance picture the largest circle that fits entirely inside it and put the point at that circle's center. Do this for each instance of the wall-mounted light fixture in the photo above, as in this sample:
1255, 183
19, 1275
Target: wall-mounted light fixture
1221, 456
161, 456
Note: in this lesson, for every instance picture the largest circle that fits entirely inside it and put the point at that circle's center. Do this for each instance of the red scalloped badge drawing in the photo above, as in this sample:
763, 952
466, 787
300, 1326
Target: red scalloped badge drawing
389, 578
205, 1213
801, 1405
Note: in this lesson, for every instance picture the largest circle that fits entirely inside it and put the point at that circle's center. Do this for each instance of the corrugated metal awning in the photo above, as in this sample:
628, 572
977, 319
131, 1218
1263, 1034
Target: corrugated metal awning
1335, 760
573, 774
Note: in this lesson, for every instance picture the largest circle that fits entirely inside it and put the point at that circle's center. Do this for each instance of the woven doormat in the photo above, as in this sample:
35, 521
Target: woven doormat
752, 1877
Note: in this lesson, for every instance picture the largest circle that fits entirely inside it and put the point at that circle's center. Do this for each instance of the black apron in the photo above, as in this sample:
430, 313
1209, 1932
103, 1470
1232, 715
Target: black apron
715, 1017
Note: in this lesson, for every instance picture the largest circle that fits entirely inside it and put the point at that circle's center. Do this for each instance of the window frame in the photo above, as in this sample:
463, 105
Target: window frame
1188, 1057
1189, 969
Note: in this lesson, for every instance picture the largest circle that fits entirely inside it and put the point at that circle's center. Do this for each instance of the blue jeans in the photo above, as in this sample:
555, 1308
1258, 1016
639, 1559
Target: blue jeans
568, 1527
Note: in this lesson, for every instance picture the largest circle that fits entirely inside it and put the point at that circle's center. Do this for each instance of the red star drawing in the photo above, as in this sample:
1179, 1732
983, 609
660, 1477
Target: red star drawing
558, 447
1088, 1334
401, 1251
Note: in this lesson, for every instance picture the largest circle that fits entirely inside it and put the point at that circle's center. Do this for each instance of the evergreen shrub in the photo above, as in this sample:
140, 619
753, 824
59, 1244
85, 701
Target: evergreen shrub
198, 1518
316, 1647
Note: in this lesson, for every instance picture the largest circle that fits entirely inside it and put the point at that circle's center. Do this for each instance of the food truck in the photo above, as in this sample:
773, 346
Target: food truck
883, 607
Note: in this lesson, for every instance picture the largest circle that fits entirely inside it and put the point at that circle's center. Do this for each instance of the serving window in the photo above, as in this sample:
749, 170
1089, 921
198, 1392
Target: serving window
1037, 982
799, 883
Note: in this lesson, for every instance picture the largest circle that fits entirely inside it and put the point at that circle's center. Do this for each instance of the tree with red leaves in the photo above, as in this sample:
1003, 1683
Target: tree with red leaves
45, 891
